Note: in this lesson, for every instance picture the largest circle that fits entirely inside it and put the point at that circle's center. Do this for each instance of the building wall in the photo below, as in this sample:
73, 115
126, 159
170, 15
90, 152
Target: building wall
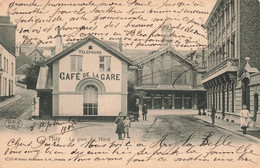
7, 63
91, 66
249, 32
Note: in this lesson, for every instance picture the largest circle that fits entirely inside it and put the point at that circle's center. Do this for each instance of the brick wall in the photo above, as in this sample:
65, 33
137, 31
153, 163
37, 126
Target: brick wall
249, 32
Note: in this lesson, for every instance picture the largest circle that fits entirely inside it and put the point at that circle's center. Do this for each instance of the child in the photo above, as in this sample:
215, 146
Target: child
244, 118
127, 125
120, 125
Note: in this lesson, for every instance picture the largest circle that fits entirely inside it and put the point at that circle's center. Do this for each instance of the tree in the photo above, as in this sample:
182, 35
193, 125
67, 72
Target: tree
32, 75
133, 94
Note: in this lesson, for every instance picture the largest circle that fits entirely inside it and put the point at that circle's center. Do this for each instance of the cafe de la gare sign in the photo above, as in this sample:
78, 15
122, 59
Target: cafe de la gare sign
82, 75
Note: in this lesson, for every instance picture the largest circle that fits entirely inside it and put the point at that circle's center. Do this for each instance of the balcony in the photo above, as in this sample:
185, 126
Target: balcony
229, 65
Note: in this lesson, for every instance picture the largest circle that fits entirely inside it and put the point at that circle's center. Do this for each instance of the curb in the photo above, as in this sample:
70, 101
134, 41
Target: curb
3, 104
226, 129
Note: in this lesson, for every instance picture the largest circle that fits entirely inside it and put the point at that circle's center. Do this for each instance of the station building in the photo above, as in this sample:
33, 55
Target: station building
233, 62
88, 78
170, 79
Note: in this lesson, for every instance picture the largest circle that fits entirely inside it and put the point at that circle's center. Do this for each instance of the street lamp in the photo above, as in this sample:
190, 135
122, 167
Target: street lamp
1, 71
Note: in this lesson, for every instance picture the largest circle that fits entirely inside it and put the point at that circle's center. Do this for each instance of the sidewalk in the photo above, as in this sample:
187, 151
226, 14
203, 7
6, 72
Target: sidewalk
252, 132
9, 101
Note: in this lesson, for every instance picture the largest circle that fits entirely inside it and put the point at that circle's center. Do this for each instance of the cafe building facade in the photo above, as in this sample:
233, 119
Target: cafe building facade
88, 78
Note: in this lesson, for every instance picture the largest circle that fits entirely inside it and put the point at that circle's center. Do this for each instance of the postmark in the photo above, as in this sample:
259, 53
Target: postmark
13, 124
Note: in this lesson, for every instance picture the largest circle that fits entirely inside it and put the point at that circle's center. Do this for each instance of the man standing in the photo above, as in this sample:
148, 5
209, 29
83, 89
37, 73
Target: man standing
144, 112
213, 113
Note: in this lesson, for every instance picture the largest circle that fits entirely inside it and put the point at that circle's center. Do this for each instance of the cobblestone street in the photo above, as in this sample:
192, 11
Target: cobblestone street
21, 108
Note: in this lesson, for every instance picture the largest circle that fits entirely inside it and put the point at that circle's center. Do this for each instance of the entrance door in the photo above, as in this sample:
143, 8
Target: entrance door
45, 106
187, 102
255, 106
90, 106
177, 102
167, 103
246, 93
157, 103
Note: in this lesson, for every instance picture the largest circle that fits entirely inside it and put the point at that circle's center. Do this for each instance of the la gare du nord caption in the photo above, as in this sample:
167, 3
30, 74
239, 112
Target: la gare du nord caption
79, 76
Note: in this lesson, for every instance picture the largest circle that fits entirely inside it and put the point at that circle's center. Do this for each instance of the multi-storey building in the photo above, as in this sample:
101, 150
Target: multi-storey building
7, 58
233, 35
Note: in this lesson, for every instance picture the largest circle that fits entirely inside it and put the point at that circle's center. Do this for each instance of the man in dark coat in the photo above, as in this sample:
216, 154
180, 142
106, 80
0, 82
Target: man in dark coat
213, 113
144, 112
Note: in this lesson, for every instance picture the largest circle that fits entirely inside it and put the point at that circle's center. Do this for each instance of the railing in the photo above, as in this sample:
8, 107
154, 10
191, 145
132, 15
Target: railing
231, 64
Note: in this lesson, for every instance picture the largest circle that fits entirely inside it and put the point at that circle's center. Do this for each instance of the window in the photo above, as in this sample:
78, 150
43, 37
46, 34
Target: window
232, 8
12, 70
147, 74
228, 16
233, 46
105, 63
228, 42
76, 63
223, 52
90, 106
7, 65
90, 47
4, 63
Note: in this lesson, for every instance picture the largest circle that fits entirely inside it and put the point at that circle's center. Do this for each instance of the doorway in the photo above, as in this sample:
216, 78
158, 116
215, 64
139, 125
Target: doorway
90, 105
255, 106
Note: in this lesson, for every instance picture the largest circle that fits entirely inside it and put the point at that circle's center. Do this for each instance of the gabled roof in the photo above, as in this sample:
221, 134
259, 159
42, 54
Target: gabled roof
22, 60
79, 44
37, 50
161, 51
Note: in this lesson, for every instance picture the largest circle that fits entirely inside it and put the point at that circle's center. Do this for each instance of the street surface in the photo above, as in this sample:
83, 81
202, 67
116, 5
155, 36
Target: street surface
21, 108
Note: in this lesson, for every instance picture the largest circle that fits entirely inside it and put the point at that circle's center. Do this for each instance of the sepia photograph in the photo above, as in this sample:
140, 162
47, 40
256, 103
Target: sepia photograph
129, 83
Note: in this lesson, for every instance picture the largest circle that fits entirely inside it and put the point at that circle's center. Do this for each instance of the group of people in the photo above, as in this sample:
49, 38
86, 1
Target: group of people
244, 117
123, 125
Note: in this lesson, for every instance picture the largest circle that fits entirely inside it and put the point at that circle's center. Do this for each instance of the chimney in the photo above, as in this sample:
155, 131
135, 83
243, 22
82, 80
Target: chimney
120, 45
59, 45
203, 57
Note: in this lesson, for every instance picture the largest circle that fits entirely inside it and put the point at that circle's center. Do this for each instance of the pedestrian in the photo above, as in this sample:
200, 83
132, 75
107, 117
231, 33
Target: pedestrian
244, 118
144, 112
199, 108
213, 113
127, 125
203, 108
120, 125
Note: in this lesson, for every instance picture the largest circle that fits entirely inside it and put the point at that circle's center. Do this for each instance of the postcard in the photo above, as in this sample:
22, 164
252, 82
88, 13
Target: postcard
129, 83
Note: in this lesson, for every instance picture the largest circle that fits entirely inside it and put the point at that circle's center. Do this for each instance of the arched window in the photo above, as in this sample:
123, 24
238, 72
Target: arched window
246, 93
157, 73
147, 74
167, 73
90, 104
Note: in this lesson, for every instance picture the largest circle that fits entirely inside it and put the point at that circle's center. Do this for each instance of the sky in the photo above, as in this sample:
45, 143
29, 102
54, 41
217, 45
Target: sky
137, 22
